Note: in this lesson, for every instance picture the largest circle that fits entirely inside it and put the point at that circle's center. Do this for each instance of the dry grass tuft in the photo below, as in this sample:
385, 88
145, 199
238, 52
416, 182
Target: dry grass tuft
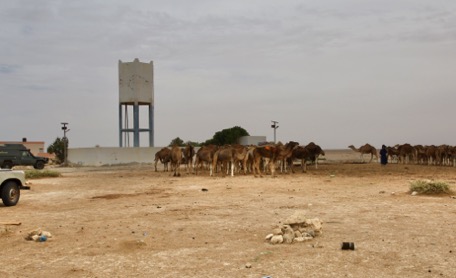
430, 187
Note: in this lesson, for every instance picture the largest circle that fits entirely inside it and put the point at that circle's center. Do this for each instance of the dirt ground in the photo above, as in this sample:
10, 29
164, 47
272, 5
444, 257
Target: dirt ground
129, 221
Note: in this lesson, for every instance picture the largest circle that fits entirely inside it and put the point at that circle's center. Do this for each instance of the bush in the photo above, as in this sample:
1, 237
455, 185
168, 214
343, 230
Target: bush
35, 174
429, 187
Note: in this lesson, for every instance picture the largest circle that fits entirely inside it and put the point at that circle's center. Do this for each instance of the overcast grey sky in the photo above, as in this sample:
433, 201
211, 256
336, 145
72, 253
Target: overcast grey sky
336, 72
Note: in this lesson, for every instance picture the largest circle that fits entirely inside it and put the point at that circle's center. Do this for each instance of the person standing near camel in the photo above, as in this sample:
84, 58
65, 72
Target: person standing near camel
383, 155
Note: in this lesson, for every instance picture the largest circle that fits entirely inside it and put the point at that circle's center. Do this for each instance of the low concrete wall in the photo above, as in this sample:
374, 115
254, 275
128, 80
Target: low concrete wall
111, 156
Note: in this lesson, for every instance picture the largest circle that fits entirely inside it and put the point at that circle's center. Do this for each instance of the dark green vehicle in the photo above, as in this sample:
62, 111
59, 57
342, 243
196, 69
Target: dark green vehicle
16, 154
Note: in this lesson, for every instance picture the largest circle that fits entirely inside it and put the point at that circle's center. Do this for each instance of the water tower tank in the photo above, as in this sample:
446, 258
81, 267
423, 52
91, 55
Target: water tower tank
136, 88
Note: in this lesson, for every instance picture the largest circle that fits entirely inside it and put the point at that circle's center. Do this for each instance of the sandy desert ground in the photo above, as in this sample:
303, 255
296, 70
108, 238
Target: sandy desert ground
129, 221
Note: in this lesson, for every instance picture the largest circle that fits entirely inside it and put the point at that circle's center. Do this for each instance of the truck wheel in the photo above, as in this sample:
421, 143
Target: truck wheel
39, 165
10, 193
7, 165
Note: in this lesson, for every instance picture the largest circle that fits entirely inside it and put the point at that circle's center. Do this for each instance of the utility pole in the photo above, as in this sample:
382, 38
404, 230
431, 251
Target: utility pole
274, 126
65, 144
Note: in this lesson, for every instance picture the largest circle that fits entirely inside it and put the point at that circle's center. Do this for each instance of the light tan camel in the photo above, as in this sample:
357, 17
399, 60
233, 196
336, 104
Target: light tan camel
366, 149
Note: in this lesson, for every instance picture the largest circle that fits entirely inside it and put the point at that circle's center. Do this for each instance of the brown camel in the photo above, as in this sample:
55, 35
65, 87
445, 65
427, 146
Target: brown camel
205, 154
188, 152
310, 152
273, 153
224, 155
420, 154
176, 159
260, 152
164, 156
366, 149
393, 154
406, 153
241, 156
284, 152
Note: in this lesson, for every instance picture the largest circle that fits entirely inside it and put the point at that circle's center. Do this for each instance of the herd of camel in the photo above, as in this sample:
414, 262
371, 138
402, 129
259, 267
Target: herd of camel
418, 154
267, 158
239, 158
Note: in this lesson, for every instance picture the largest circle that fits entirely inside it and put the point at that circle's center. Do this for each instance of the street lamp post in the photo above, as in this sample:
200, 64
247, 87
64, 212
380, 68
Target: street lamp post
65, 144
274, 126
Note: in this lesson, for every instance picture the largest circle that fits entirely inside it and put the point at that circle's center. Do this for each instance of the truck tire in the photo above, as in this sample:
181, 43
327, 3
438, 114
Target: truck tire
10, 193
39, 165
7, 164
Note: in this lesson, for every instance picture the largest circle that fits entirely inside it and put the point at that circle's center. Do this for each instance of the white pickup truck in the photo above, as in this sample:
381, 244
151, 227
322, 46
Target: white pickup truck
11, 183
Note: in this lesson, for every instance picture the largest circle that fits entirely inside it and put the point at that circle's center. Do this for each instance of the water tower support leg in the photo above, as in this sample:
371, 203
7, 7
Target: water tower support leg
136, 124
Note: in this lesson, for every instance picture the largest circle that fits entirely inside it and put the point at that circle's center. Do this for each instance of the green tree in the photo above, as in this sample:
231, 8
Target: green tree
176, 141
58, 148
227, 136
194, 144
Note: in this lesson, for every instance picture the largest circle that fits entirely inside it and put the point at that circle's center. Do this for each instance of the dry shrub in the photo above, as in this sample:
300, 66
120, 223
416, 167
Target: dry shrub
430, 187
36, 174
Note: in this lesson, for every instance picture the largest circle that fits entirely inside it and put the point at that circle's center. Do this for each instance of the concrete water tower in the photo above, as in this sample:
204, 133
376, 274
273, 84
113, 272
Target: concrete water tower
136, 89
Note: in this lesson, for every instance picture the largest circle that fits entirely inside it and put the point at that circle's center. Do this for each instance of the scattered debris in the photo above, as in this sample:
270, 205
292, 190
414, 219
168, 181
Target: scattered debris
10, 223
297, 228
348, 246
38, 235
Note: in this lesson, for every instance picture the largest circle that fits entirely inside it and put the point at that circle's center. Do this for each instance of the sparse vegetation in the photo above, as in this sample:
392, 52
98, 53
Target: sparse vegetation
430, 187
35, 174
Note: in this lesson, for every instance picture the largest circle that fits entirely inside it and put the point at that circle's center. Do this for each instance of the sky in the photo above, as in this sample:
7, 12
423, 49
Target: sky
328, 71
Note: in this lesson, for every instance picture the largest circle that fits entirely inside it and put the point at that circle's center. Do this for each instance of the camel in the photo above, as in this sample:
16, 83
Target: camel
241, 156
393, 154
265, 151
420, 154
284, 153
406, 152
310, 152
366, 149
164, 156
188, 153
248, 159
273, 153
224, 155
204, 154
176, 159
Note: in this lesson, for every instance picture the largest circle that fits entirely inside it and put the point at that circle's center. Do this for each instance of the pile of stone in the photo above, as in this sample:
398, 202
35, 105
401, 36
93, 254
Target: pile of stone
296, 228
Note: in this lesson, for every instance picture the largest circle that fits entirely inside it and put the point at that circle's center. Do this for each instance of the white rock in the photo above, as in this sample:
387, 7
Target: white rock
277, 231
277, 239
316, 225
268, 237
46, 233
296, 218
298, 234
288, 234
